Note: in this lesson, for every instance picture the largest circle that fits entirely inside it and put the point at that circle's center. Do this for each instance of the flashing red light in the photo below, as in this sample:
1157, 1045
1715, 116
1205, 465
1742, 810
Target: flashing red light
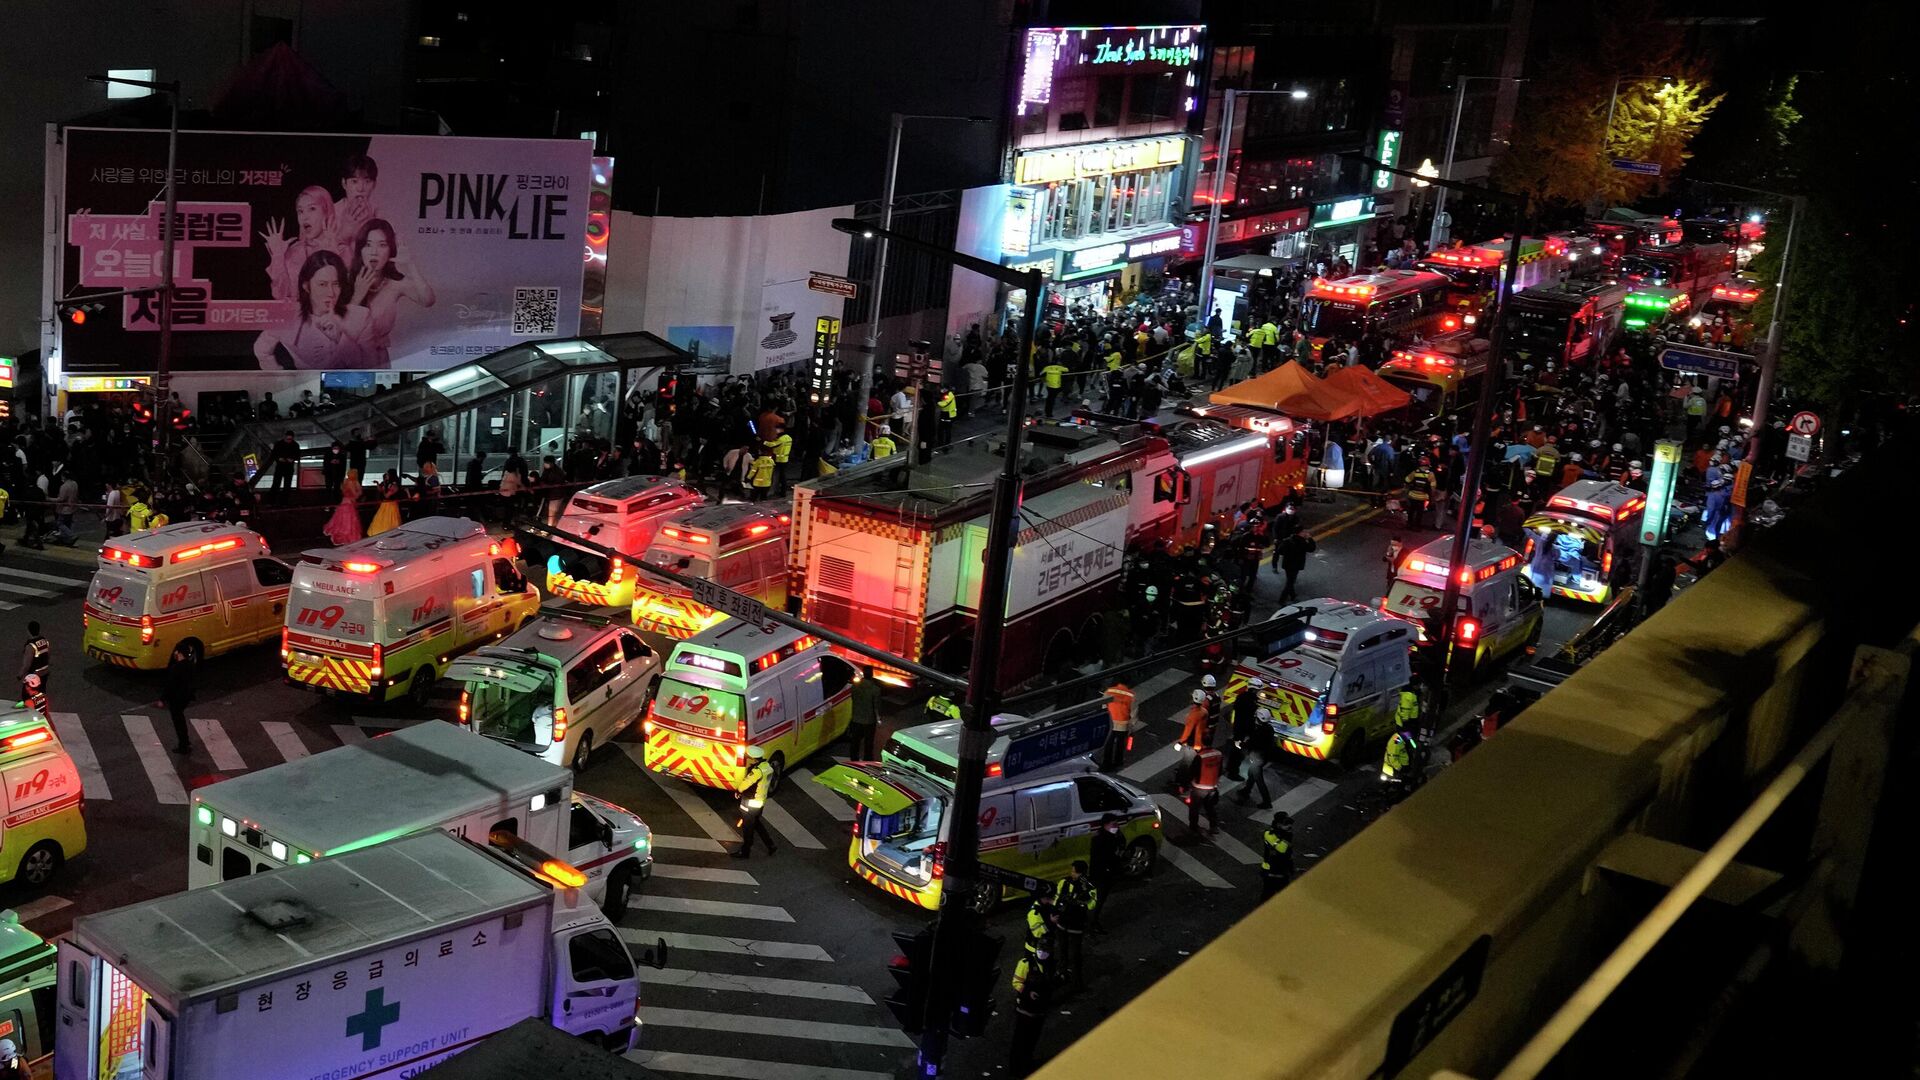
1465, 576
995, 768
131, 558
1632, 507
1450, 323
618, 569
785, 520
78, 316
361, 567
30, 737
757, 530
1736, 294
689, 537
215, 545
1467, 631
1564, 500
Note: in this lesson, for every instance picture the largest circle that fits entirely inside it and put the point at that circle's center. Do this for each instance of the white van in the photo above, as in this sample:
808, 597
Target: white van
1500, 611
621, 514
742, 546
382, 617
1331, 686
557, 688
208, 587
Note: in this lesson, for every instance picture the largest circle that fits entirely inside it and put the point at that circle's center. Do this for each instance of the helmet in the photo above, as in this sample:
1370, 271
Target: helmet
1718, 457
886, 429
1199, 697
1724, 429
1617, 448
1576, 457
1209, 682
1594, 444
1257, 684
1636, 464
756, 752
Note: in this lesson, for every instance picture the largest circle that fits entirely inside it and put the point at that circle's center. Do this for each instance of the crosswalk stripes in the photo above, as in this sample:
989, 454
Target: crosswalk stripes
836, 807
687, 905
25, 590
1186, 863
218, 746
73, 736
667, 841
167, 788
703, 873
689, 803
285, 739
777, 950
1303, 795
348, 734
1238, 851
48, 579
750, 1024
789, 826
759, 984
40, 905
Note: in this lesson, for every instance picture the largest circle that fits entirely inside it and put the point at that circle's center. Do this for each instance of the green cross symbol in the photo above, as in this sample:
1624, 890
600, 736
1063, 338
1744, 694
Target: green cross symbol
377, 1016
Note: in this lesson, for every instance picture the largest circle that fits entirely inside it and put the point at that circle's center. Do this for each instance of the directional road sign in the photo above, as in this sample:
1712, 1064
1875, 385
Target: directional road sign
742, 607
1036, 746
1715, 362
1643, 168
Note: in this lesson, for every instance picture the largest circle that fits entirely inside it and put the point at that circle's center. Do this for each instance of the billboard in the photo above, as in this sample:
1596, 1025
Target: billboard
323, 252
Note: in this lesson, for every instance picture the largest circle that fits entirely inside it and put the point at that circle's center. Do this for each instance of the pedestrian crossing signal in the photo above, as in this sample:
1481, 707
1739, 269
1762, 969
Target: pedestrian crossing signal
910, 970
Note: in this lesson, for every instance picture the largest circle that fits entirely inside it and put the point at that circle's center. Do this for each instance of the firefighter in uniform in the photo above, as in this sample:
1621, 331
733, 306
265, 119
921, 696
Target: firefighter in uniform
753, 790
1075, 901
35, 659
1033, 983
1276, 855
1204, 795
1120, 715
883, 444
1419, 493
1546, 461
1193, 735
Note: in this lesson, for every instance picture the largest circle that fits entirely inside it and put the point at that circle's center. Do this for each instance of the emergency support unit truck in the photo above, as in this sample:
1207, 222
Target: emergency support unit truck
383, 617
378, 963
742, 546
208, 587
1331, 686
622, 514
736, 686
1564, 323
1500, 610
430, 776
1594, 527
1031, 823
43, 818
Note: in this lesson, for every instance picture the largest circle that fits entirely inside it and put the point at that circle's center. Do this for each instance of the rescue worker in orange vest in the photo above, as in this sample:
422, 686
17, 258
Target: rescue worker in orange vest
1204, 795
1120, 714
1193, 735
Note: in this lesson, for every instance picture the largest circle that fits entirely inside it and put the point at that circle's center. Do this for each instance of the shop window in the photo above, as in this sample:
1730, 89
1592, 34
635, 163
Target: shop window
1107, 97
1154, 98
1035, 122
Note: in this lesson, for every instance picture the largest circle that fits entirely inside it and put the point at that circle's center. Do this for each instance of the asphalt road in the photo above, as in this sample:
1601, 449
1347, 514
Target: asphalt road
778, 965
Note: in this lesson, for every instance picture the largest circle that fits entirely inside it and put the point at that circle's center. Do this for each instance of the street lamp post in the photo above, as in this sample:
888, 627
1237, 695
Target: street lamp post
871, 348
1222, 152
1437, 234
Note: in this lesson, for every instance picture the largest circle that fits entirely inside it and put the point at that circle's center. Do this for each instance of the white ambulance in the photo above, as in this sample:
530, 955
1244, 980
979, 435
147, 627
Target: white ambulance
621, 514
1593, 526
742, 546
1500, 609
208, 587
1329, 687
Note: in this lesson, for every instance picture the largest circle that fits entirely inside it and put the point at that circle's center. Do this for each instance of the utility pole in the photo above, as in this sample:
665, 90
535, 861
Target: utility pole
1438, 234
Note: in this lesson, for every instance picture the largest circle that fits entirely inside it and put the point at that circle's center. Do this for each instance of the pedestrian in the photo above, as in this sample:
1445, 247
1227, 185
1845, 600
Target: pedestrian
66, 503
1052, 375
114, 517
754, 787
864, 724
333, 466
387, 517
1394, 550
1075, 899
1120, 717
1106, 858
12, 1065
1203, 793
1276, 855
1292, 555
35, 659
882, 444
429, 489
1246, 720
286, 464
1033, 985
177, 693
760, 473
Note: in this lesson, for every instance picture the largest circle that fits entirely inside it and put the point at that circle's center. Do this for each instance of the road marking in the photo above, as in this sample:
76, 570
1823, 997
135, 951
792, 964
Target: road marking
73, 736
214, 738
285, 739
1239, 852
5, 606
154, 758
744, 1024
45, 905
704, 873
690, 804
831, 801
774, 950
51, 579
349, 734
1152, 765
22, 590
1184, 862
758, 984
1305, 794
790, 827
1158, 685
669, 842
684, 905
745, 1068
386, 722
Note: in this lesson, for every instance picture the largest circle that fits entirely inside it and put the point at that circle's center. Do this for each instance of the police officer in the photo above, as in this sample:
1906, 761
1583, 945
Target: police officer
1042, 920
1276, 855
1419, 493
1033, 985
35, 659
1120, 717
782, 447
1052, 375
1075, 901
753, 790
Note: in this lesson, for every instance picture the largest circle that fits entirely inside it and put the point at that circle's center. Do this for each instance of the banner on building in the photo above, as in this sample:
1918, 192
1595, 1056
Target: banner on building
323, 252
789, 314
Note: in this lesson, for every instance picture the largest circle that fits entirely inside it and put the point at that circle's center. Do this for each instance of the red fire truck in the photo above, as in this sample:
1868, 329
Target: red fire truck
1476, 270
1403, 303
891, 554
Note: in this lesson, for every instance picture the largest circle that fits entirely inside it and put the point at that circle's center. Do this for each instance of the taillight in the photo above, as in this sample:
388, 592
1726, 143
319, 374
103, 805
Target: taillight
1467, 631
619, 568
1529, 547
559, 723
1330, 719
379, 660
146, 629
938, 853
84, 620
465, 699
1606, 564
286, 650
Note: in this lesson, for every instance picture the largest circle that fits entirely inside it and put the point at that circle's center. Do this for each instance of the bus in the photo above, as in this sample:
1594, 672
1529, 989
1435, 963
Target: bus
1404, 303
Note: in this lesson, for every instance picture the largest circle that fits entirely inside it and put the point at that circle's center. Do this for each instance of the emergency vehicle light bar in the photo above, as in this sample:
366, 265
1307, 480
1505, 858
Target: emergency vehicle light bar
689, 537
213, 545
131, 558
1470, 257
31, 737
1729, 292
359, 567
1326, 288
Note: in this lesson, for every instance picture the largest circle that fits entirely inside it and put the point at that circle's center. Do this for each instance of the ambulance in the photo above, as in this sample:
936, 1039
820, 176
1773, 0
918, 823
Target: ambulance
1500, 610
208, 587
732, 686
1443, 376
1593, 525
382, 618
1036, 823
28, 969
45, 821
742, 546
622, 514
1331, 678
1648, 308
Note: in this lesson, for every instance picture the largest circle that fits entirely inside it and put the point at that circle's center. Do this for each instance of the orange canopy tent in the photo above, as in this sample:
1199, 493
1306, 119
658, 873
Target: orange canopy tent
1377, 394
1293, 390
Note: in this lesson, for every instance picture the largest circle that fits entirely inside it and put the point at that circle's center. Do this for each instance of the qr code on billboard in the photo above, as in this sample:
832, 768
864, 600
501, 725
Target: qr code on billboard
536, 312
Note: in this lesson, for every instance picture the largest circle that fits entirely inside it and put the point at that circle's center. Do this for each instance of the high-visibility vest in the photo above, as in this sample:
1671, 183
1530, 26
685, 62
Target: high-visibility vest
1399, 755
949, 408
1420, 484
139, 516
1113, 360
1408, 708
782, 448
1546, 461
1275, 849
762, 470
1120, 707
759, 780
1206, 769
42, 654
884, 446
1052, 373
1038, 928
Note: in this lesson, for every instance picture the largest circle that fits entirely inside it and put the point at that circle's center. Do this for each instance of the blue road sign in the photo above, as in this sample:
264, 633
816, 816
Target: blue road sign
1720, 365
1644, 168
1041, 745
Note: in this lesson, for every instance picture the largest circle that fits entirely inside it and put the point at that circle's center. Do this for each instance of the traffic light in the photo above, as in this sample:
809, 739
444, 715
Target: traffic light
979, 978
78, 314
667, 388
911, 970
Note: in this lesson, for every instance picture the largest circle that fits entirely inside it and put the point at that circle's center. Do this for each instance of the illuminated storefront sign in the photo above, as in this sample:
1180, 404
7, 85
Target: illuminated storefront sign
6, 372
1344, 212
1106, 258
1148, 246
105, 384
1103, 159
826, 347
1193, 238
1386, 153
1134, 50
1036, 79
1016, 229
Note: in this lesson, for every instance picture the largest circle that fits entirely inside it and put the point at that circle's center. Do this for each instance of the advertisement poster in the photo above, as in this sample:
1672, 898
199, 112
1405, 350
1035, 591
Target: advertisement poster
708, 342
788, 310
323, 252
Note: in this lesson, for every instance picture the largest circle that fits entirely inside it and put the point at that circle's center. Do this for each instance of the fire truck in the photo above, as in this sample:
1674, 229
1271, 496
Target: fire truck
1404, 303
1565, 322
1691, 268
1443, 376
1630, 232
1475, 271
891, 554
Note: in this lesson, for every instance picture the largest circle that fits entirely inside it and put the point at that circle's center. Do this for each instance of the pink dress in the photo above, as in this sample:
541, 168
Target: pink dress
343, 527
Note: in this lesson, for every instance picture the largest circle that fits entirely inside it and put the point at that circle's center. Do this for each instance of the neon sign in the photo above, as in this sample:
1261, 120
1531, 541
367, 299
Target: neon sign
1135, 50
